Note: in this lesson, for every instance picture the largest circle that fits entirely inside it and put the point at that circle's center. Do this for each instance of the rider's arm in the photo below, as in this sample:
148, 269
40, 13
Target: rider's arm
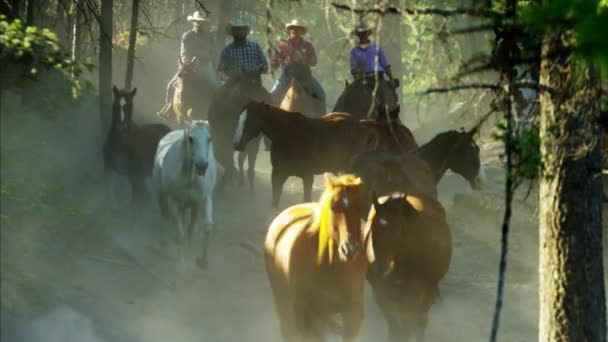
311, 54
221, 65
353, 63
262, 62
277, 57
383, 61
185, 52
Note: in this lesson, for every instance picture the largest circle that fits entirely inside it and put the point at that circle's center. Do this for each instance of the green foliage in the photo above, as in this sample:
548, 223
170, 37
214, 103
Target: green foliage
37, 48
588, 21
525, 152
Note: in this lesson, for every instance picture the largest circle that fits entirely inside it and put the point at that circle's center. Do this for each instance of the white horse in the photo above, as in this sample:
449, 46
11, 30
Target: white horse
184, 177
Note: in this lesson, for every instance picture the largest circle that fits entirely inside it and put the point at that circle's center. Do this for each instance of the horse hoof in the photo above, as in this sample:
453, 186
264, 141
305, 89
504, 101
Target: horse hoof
201, 263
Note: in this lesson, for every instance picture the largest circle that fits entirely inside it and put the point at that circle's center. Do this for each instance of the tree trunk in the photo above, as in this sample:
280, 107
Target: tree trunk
390, 38
29, 12
132, 43
178, 17
77, 30
571, 284
105, 64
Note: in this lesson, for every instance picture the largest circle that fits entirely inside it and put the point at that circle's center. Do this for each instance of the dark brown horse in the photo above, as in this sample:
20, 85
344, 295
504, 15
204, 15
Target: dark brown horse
316, 265
301, 146
391, 135
387, 172
358, 100
223, 117
409, 248
192, 92
129, 149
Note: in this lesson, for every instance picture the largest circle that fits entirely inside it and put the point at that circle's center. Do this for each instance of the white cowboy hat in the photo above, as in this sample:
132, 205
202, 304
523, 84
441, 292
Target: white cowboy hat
236, 23
197, 16
362, 27
296, 23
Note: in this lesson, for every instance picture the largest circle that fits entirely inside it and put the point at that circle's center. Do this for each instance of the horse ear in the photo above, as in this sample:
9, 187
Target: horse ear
346, 84
115, 90
328, 178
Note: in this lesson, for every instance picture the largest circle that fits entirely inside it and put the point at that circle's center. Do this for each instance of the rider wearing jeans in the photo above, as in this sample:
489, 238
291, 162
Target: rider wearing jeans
292, 51
195, 43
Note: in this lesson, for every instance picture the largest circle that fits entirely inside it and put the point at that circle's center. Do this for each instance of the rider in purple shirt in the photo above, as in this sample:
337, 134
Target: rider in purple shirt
367, 58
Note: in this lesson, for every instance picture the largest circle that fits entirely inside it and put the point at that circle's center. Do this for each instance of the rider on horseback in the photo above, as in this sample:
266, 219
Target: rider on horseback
194, 43
368, 60
296, 55
240, 58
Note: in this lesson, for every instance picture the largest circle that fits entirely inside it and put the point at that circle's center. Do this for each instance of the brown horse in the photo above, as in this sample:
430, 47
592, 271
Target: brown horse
192, 92
309, 284
297, 99
358, 100
223, 117
129, 149
409, 248
391, 135
301, 146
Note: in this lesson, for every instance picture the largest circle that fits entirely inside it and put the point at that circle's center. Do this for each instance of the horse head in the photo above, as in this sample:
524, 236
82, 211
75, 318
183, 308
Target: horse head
338, 217
198, 146
122, 107
387, 223
249, 124
462, 156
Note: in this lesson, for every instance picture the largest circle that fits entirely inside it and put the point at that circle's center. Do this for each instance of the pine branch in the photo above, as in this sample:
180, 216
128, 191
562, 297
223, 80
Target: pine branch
419, 11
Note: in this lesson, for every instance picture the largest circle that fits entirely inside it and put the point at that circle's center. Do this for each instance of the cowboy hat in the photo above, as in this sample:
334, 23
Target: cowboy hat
236, 23
197, 16
296, 23
362, 28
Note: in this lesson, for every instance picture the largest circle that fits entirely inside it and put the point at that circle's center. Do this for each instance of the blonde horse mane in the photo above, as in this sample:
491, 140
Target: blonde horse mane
324, 218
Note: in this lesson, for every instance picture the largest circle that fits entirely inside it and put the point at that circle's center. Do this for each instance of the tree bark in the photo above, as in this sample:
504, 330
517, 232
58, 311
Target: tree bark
132, 43
76, 49
390, 38
571, 281
105, 64
29, 12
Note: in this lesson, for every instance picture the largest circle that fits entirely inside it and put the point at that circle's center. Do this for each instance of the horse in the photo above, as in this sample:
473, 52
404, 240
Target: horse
223, 117
184, 178
391, 134
301, 146
387, 171
192, 92
297, 99
308, 282
129, 149
358, 100
409, 247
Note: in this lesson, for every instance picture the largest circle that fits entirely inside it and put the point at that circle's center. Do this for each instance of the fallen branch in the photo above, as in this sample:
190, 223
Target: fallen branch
419, 11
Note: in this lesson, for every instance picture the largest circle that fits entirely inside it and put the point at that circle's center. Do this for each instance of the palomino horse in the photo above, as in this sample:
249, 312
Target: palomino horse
129, 149
297, 99
358, 100
301, 146
223, 117
310, 285
184, 178
192, 92
409, 247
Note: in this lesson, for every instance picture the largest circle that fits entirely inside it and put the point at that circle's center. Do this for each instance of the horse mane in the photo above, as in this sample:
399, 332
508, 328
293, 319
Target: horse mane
323, 216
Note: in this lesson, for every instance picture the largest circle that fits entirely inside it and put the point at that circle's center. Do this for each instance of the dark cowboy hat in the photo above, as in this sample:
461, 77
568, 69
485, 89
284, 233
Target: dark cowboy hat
237, 23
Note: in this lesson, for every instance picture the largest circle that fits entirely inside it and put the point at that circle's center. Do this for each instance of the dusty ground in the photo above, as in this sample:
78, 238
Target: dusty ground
86, 275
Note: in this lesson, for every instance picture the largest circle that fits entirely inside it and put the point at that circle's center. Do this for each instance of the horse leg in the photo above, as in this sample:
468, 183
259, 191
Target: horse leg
278, 179
353, 319
252, 156
387, 305
307, 182
310, 326
202, 261
283, 306
180, 234
241, 163
138, 196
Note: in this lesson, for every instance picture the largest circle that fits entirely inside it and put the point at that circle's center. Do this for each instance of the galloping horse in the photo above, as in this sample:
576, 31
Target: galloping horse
184, 178
129, 149
301, 146
409, 247
308, 282
358, 100
223, 117
192, 92
297, 99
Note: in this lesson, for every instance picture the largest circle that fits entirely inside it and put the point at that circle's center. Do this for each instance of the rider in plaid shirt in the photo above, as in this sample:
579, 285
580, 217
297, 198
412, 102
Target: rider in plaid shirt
241, 55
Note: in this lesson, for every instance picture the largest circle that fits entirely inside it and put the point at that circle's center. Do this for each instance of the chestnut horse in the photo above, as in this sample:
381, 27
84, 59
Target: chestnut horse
297, 99
409, 248
301, 146
309, 284
391, 135
192, 92
129, 149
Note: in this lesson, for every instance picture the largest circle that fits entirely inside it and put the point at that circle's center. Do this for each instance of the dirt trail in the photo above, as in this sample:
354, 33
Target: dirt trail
113, 280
